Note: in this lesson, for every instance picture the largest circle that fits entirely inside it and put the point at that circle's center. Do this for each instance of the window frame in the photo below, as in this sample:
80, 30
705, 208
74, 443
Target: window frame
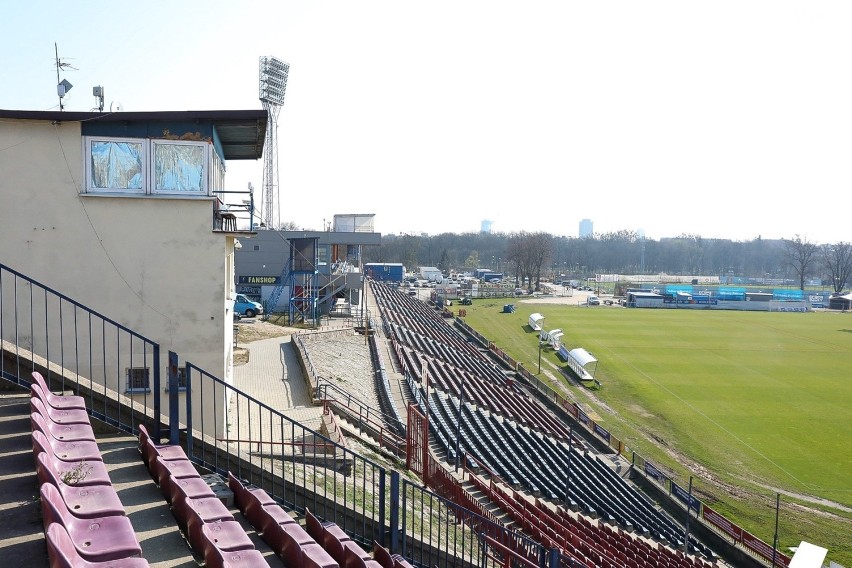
129, 385
148, 154
88, 170
205, 166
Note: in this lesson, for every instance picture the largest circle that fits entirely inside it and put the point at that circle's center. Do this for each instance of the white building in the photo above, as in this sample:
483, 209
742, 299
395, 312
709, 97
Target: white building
119, 212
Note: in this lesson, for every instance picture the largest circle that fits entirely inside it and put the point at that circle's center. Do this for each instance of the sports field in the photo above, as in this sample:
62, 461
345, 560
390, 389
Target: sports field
761, 401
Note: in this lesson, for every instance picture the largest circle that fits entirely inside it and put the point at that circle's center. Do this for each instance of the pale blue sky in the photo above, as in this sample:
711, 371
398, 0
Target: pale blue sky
728, 119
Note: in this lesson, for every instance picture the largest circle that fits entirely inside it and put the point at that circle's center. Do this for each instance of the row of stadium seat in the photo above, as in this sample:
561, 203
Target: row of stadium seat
85, 522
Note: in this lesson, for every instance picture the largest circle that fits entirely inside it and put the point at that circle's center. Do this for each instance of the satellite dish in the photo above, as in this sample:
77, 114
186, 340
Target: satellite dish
116, 106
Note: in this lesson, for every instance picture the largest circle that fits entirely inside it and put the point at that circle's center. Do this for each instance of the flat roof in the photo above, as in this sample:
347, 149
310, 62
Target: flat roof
241, 132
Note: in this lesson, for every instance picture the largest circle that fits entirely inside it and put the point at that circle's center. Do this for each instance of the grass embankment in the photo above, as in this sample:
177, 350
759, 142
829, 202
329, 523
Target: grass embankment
750, 403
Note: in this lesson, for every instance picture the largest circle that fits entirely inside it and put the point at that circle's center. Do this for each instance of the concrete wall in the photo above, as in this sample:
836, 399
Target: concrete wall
152, 263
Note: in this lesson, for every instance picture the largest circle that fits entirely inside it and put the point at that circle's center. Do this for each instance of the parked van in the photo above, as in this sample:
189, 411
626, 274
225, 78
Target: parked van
245, 307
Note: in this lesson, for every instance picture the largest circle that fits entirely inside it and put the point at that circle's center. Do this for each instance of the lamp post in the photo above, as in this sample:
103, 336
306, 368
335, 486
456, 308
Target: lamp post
539, 355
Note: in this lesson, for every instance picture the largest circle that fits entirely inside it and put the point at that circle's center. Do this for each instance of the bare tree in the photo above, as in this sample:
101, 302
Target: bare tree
800, 255
837, 259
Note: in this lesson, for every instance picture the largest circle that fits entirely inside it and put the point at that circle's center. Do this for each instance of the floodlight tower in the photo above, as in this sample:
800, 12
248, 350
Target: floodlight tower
273, 84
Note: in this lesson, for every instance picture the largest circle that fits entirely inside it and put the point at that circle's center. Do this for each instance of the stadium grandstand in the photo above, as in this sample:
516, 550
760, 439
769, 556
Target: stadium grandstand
494, 474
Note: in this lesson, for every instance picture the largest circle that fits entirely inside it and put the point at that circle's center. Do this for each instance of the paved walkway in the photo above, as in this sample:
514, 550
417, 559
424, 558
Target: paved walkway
274, 377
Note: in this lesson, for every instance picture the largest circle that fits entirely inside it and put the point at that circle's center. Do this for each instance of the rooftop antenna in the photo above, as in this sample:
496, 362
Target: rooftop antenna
64, 85
98, 93
273, 85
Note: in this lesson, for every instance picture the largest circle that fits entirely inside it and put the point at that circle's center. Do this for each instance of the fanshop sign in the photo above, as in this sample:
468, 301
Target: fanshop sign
258, 280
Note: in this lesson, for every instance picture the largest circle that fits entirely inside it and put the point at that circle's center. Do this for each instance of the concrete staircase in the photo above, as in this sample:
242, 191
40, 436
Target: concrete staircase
22, 541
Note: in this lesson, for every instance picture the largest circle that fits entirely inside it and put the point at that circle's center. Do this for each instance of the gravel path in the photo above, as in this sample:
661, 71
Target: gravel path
344, 358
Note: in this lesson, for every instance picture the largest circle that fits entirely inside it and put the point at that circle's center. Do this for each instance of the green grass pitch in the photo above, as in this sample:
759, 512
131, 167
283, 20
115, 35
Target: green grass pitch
758, 400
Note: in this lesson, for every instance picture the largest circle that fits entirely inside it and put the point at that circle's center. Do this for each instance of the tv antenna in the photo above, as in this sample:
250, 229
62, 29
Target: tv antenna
64, 85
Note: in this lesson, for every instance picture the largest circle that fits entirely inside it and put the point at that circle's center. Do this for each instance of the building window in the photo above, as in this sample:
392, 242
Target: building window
143, 166
181, 378
138, 380
116, 165
179, 167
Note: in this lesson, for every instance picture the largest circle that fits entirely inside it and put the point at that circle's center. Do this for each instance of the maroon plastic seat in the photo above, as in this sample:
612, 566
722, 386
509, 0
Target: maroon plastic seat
289, 542
216, 558
39, 404
226, 535
161, 470
191, 487
382, 555
150, 450
96, 540
63, 554
65, 451
314, 556
250, 502
387, 560
79, 474
193, 513
57, 401
87, 502
356, 557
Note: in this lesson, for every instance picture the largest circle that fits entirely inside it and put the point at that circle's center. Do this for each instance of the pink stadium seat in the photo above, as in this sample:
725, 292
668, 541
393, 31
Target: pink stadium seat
234, 559
65, 451
56, 401
62, 432
313, 556
250, 502
96, 540
227, 535
63, 554
192, 487
80, 474
355, 557
87, 502
150, 450
382, 555
38, 403
163, 470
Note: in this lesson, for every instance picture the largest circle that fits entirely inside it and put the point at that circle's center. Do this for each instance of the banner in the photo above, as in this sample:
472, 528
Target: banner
655, 473
722, 524
685, 498
760, 548
582, 417
599, 430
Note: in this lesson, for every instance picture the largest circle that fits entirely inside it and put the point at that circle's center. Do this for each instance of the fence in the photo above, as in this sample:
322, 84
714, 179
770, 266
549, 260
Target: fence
80, 350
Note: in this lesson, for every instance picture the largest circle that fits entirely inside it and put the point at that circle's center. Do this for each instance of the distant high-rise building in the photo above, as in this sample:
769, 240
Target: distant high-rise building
586, 228
485, 227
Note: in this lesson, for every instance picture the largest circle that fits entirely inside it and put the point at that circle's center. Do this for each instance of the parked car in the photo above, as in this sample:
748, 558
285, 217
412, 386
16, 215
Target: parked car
593, 301
245, 307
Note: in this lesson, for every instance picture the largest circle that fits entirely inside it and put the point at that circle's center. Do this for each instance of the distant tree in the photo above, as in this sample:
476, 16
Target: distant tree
288, 226
472, 260
837, 259
800, 255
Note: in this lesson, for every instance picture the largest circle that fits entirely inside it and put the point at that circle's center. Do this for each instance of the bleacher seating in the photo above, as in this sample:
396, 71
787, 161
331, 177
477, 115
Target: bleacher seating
504, 430
84, 520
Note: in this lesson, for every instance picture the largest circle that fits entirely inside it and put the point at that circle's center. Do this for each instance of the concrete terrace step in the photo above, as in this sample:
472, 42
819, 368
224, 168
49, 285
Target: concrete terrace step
22, 541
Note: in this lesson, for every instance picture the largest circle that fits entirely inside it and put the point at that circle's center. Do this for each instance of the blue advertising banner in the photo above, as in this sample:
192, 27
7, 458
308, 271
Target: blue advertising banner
652, 471
685, 498
601, 432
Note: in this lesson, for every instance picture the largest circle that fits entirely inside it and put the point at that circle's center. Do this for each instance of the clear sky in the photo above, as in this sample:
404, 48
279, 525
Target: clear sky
727, 119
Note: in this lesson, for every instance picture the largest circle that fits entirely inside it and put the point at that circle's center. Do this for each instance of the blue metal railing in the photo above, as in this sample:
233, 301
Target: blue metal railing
80, 350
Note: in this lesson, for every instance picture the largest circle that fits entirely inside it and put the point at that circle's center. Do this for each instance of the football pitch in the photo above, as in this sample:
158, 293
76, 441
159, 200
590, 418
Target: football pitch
760, 401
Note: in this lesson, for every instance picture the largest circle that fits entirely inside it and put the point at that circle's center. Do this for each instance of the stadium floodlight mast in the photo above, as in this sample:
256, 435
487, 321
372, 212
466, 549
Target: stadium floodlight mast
273, 86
